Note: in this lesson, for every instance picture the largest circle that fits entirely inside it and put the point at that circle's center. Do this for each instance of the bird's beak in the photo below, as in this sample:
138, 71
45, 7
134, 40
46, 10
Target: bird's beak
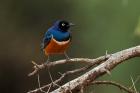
71, 24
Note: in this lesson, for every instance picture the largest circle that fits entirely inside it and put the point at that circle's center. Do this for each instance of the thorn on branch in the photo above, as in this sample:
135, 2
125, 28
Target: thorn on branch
108, 72
82, 89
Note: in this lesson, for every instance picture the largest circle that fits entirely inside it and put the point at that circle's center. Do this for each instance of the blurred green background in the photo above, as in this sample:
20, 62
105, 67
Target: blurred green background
101, 25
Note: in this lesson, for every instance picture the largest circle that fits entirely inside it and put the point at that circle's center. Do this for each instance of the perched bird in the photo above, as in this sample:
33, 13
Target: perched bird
57, 38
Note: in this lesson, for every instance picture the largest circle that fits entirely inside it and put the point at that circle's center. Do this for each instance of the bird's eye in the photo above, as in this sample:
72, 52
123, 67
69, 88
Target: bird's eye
63, 24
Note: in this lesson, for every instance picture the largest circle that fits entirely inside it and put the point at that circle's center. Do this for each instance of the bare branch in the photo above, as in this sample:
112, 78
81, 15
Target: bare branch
114, 84
74, 60
110, 61
85, 79
92, 63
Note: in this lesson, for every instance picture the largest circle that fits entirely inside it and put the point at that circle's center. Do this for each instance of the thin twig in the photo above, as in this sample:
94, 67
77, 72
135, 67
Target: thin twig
52, 79
114, 84
49, 88
137, 79
133, 85
38, 79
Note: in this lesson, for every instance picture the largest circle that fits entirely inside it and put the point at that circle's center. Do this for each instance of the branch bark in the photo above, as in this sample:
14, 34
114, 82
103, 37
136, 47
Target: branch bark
90, 62
106, 64
37, 67
85, 80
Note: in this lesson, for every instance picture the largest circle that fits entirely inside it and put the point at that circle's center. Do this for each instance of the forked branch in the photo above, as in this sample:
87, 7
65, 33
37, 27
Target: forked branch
86, 79
106, 64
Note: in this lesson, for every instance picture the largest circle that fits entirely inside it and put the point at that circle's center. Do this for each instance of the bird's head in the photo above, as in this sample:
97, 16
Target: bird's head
63, 25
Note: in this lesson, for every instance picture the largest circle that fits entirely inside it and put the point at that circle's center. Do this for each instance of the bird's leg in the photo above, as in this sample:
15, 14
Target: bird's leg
67, 57
44, 63
48, 59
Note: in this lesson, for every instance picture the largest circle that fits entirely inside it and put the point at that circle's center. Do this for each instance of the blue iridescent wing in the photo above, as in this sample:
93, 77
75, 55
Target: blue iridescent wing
46, 39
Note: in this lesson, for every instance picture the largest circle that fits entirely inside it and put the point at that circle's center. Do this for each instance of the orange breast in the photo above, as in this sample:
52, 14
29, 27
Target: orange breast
56, 47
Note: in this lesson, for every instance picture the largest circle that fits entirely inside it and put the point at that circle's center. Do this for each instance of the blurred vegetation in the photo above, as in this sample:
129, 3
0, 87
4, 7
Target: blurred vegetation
101, 25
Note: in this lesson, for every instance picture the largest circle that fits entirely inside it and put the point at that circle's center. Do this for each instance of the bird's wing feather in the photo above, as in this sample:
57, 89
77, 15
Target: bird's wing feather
46, 39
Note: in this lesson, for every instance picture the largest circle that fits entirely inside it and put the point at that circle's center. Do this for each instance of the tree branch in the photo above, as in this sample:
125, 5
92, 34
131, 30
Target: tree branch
90, 76
91, 63
37, 67
106, 63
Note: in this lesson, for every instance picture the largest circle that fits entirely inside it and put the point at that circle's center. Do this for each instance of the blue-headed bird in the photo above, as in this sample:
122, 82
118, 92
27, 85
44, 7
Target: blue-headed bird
57, 38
